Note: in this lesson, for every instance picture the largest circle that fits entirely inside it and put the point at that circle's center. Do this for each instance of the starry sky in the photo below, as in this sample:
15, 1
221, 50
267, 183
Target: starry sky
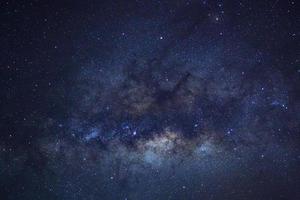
150, 100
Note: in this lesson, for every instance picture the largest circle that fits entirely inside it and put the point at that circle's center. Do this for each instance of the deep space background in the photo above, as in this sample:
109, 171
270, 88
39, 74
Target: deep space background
150, 100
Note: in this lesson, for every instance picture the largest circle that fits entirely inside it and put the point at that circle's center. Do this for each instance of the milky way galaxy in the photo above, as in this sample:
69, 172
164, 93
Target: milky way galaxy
150, 100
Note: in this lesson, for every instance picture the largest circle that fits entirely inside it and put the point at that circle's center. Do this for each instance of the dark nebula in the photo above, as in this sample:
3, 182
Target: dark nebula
150, 100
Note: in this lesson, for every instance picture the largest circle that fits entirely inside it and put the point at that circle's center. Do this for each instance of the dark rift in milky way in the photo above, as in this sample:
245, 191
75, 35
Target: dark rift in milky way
143, 92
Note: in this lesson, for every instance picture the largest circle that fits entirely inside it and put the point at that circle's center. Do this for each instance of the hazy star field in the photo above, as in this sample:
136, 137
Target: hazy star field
150, 100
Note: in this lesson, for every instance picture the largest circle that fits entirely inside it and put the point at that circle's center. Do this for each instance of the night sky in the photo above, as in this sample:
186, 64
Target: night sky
150, 100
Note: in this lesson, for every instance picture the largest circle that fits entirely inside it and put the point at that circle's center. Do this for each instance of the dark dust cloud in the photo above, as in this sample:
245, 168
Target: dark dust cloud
152, 100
